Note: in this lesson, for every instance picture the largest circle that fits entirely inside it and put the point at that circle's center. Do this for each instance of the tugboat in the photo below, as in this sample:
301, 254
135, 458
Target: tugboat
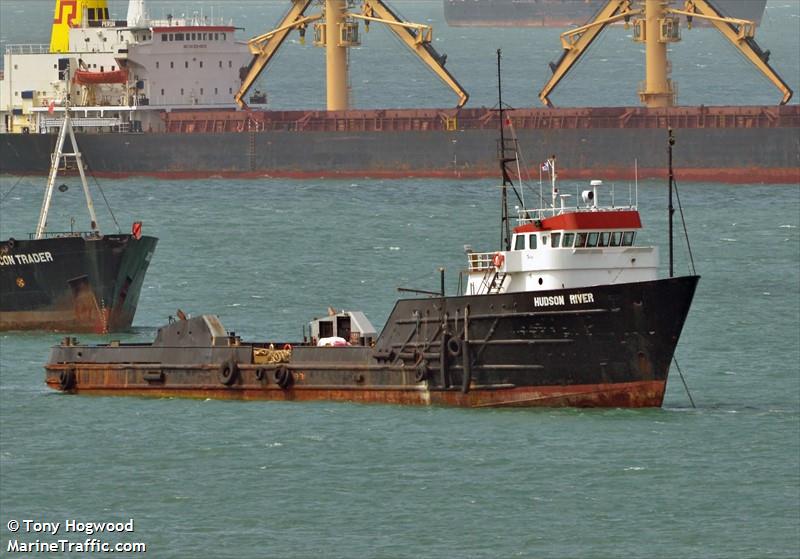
76, 281
569, 312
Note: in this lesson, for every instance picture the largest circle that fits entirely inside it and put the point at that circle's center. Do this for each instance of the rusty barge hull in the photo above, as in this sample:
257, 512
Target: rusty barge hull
500, 350
723, 144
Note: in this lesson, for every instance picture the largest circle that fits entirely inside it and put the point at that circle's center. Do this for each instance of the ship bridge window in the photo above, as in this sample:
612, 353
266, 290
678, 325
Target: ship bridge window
216, 36
171, 37
603, 242
164, 37
532, 241
105, 13
91, 14
592, 239
580, 240
519, 242
627, 238
569, 238
223, 36
555, 239
614, 240
179, 36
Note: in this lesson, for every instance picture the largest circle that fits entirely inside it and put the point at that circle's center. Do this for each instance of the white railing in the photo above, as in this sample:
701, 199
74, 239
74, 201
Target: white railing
27, 49
195, 20
84, 122
480, 261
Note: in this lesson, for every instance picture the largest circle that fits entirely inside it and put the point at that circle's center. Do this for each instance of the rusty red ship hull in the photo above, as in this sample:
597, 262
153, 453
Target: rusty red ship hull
499, 350
723, 144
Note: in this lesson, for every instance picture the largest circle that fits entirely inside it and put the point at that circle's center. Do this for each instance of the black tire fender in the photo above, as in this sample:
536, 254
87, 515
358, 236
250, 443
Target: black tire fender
261, 374
66, 379
283, 376
454, 346
228, 372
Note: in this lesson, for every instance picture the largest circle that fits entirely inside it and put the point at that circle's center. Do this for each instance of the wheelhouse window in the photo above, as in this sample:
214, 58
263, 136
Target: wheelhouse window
603, 242
519, 242
532, 241
555, 240
580, 240
179, 36
569, 238
592, 239
164, 37
627, 238
615, 238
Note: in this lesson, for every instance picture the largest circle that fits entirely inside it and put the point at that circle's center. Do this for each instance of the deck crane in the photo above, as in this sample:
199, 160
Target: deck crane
656, 24
336, 29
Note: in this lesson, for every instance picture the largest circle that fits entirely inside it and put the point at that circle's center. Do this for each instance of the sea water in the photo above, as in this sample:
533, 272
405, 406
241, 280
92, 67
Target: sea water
296, 480
232, 479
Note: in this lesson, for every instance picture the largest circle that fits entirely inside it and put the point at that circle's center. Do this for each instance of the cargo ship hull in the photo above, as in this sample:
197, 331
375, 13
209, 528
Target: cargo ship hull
550, 348
725, 144
72, 283
560, 13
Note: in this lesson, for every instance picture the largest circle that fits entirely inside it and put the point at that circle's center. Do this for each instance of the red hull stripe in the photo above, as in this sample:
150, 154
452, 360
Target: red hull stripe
628, 219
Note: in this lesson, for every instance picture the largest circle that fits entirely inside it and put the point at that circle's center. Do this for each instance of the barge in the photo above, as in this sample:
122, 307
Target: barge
569, 311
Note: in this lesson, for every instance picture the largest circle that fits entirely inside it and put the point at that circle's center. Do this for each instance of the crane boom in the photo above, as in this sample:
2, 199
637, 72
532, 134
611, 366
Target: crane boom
576, 41
418, 39
740, 34
264, 46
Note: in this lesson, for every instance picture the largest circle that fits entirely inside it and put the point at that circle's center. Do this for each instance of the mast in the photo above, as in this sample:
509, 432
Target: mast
66, 128
505, 224
671, 210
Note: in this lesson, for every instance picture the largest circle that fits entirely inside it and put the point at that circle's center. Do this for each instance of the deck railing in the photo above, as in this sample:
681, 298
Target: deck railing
480, 261
27, 49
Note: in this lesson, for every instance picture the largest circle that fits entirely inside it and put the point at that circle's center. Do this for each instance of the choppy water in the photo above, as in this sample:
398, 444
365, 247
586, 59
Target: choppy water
230, 479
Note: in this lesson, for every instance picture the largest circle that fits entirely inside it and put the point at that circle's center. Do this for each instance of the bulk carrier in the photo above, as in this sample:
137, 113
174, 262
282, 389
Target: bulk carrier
156, 97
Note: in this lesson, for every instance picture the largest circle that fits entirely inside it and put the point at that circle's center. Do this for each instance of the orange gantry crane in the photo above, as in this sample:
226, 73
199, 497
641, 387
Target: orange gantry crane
657, 24
336, 28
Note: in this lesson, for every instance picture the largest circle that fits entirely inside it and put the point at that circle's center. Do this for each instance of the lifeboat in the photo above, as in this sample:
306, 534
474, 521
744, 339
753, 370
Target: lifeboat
86, 77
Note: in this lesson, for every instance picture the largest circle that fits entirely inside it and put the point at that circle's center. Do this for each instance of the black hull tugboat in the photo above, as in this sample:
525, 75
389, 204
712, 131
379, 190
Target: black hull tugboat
72, 281
569, 312
572, 314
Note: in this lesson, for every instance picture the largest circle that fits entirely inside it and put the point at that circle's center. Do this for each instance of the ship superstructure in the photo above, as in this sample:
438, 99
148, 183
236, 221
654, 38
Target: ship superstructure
562, 247
120, 75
